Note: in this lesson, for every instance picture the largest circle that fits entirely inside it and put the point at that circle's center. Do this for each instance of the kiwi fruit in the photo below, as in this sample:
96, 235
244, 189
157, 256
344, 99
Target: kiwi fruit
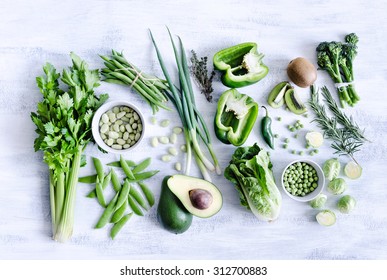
302, 72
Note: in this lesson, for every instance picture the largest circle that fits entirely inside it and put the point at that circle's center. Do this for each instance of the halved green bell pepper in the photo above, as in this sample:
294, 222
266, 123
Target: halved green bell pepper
235, 117
242, 65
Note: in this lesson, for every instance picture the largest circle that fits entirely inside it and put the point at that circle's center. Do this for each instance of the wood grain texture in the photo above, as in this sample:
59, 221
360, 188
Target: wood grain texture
33, 32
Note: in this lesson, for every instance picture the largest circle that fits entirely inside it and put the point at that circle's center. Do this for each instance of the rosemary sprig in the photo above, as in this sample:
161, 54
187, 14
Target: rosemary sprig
341, 118
202, 77
347, 139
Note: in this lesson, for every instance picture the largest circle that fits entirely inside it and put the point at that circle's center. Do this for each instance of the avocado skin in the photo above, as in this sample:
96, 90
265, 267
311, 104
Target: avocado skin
171, 213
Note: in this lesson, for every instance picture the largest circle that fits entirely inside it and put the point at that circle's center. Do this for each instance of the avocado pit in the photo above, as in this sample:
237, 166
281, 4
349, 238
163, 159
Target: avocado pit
200, 199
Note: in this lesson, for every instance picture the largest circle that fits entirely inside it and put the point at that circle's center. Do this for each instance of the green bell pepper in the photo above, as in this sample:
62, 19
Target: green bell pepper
242, 65
235, 117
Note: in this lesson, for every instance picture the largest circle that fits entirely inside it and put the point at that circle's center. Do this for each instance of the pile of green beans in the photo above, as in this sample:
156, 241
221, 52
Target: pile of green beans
300, 179
135, 198
120, 71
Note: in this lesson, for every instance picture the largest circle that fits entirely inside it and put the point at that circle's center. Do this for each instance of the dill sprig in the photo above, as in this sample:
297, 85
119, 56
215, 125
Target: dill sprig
347, 139
202, 77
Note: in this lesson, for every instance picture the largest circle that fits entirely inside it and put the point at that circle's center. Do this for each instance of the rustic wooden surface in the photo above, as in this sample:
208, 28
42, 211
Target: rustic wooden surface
33, 32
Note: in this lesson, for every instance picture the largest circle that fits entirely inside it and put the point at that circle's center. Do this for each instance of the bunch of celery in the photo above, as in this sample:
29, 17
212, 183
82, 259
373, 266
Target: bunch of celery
63, 124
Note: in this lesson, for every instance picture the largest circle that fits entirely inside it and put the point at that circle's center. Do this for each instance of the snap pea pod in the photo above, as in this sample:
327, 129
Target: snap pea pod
100, 196
105, 183
98, 167
137, 196
148, 193
134, 205
115, 181
91, 179
119, 225
107, 213
119, 213
130, 163
128, 172
142, 165
143, 176
123, 194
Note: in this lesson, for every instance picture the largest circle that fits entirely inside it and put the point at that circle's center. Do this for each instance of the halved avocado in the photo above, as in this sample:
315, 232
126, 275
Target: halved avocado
294, 103
200, 197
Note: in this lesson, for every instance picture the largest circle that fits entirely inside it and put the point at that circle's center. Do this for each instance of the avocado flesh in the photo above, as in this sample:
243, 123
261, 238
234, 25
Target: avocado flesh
171, 213
181, 186
294, 103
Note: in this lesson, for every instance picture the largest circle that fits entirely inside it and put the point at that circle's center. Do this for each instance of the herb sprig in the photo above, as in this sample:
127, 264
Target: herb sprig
348, 138
201, 74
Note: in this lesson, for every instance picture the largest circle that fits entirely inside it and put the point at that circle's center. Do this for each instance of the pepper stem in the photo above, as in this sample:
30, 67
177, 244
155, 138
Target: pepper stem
267, 112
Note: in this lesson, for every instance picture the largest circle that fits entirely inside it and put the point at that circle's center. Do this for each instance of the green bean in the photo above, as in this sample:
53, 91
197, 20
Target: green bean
118, 163
140, 200
148, 193
98, 167
143, 176
115, 181
119, 225
135, 207
142, 165
107, 213
119, 213
123, 194
99, 192
126, 168
91, 179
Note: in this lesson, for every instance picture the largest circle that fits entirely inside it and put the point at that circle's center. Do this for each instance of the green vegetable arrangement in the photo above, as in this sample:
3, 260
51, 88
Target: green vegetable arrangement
250, 170
337, 59
63, 124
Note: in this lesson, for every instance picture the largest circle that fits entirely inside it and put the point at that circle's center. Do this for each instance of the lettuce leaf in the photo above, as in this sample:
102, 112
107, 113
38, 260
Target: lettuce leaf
250, 170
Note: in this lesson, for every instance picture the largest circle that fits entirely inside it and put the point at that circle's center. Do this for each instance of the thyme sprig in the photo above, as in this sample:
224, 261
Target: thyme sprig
201, 74
348, 138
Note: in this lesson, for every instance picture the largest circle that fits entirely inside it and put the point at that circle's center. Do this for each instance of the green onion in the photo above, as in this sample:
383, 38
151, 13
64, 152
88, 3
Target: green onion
193, 124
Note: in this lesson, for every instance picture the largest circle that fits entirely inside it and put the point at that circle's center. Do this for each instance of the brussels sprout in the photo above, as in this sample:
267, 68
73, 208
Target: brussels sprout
346, 204
337, 186
326, 218
319, 201
331, 168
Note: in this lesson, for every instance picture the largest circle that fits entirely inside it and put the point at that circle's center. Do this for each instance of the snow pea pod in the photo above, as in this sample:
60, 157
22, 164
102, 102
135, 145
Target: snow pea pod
140, 200
118, 163
119, 213
106, 181
98, 167
119, 225
128, 172
148, 193
91, 179
115, 181
123, 194
143, 176
107, 213
142, 165
134, 205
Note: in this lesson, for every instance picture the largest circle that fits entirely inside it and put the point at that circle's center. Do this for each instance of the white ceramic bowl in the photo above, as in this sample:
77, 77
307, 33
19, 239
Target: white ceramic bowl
97, 117
320, 183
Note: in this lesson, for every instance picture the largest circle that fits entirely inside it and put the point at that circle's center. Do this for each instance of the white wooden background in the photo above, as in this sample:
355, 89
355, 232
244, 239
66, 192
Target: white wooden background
33, 32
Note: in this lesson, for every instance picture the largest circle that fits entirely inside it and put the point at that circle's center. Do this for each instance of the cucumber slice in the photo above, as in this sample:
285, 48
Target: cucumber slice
352, 170
314, 139
326, 218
